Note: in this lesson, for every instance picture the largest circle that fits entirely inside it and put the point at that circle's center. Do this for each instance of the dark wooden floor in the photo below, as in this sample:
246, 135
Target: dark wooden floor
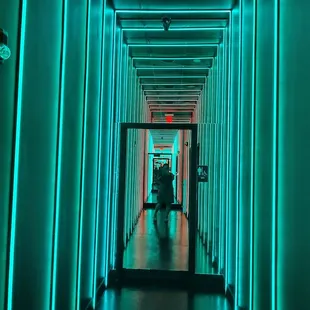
163, 246
154, 299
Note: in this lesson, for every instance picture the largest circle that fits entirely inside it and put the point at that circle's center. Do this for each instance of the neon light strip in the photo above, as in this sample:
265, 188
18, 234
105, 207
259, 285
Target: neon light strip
172, 68
16, 157
275, 163
172, 90
172, 58
99, 163
229, 98
173, 84
170, 11
179, 100
191, 95
161, 29
173, 77
253, 155
54, 272
111, 178
169, 105
80, 238
116, 149
238, 157
173, 45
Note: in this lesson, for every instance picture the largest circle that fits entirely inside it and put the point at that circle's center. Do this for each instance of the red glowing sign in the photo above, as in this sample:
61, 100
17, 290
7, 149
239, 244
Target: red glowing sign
169, 119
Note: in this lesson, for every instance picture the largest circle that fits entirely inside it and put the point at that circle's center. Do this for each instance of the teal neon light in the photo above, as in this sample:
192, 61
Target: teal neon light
179, 100
171, 11
173, 90
158, 96
227, 263
80, 238
16, 157
173, 45
275, 165
172, 68
60, 142
94, 288
252, 155
161, 29
173, 77
238, 162
113, 132
172, 58
172, 84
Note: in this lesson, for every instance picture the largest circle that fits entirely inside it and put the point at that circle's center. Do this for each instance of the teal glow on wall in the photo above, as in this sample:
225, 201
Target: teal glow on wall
16, 157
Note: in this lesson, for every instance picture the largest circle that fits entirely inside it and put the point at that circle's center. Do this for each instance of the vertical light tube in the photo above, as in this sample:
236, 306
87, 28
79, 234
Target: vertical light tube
16, 157
238, 158
94, 293
84, 135
274, 301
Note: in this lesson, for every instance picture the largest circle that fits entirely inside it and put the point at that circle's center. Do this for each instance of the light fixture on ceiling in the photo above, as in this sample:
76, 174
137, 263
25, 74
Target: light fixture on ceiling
197, 60
166, 22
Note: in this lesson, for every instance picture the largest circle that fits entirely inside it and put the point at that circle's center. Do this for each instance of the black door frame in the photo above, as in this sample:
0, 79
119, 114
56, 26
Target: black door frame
192, 217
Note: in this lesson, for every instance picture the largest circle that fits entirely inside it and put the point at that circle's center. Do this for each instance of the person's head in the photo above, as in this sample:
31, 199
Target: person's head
166, 167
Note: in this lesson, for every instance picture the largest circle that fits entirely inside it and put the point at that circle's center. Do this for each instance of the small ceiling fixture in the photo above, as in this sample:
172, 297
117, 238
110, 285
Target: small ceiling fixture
166, 22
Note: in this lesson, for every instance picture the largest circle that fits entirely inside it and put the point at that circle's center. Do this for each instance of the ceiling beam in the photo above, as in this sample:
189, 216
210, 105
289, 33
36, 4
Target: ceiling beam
171, 58
172, 29
173, 77
173, 45
173, 68
188, 12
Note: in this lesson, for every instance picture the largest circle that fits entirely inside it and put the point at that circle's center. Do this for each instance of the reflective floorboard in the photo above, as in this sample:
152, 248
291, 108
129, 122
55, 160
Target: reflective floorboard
164, 246
154, 299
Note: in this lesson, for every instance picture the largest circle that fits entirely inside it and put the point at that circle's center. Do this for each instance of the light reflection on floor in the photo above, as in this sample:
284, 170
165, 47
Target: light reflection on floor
163, 246
154, 299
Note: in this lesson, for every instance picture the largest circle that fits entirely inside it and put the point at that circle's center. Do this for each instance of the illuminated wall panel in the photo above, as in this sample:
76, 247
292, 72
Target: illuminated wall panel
70, 159
91, 147
293, 252
265, 144
246, 154
211, 159
35, 156
9, 21
109, 144
234, 107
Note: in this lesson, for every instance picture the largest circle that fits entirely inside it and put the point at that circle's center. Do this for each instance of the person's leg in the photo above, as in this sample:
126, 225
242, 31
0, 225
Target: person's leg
157, 208
168, 209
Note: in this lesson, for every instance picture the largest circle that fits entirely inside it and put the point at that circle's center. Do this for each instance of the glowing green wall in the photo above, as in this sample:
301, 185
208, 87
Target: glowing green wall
234, 106
293, 230
9, 21
91, 147
265, 144
59, 205
35, 156
245, 212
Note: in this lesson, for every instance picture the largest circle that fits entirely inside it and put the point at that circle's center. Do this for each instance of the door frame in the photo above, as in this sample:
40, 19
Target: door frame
192, 216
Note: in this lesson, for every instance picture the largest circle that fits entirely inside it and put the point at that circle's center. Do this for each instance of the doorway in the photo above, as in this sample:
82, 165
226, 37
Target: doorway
123, 272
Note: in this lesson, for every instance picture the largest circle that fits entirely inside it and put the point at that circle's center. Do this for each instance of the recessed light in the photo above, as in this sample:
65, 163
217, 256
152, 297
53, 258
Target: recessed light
196, 60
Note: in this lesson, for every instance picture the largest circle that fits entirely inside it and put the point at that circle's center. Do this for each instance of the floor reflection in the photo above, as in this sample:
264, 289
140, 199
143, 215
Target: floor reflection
164, 246
154, 299
158, 245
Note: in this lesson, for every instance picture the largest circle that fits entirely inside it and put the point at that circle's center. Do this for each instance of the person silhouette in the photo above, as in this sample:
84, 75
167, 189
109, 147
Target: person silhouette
165, 192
